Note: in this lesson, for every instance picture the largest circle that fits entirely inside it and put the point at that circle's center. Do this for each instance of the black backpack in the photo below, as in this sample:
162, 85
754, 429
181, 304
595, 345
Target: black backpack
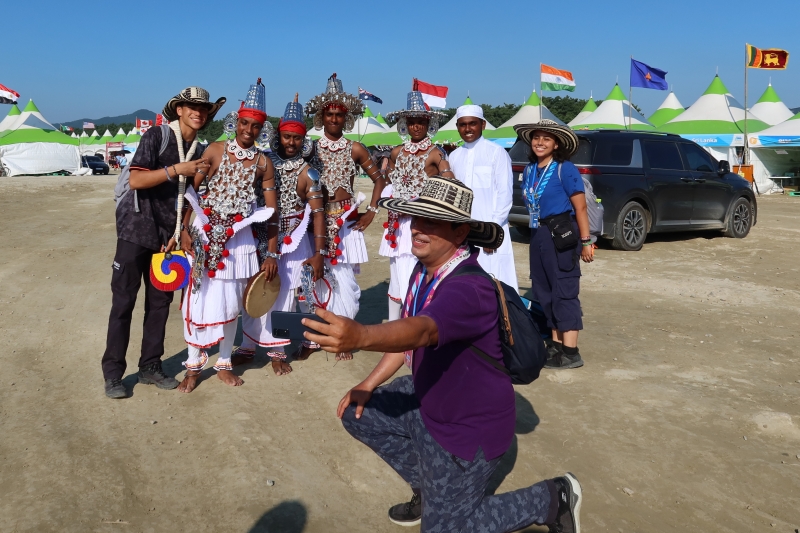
524, 353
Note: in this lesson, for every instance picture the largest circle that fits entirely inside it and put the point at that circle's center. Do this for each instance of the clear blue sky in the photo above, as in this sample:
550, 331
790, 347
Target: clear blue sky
86, 59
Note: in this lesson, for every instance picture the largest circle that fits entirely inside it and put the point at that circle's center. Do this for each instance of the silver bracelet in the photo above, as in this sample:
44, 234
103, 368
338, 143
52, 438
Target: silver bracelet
318, 210
272, 255
375, 210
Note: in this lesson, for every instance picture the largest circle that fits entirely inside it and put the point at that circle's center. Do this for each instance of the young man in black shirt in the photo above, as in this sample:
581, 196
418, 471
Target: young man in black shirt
146, 218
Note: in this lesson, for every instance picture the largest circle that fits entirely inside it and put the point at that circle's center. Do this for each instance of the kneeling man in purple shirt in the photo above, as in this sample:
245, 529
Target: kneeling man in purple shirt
444, 428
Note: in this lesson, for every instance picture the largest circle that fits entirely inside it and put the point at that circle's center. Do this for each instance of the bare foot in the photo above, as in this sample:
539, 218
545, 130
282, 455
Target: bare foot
229, 378
346, 356
189, 382
280, 367
242, 356
304, 353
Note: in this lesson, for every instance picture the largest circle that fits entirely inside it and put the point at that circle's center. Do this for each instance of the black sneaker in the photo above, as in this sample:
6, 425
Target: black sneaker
562, 360
115, 389
407, 514
570, 497
552, 347
154, 375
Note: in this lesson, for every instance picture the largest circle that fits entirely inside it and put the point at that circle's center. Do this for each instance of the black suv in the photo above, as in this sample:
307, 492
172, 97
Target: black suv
651, 182
94, 162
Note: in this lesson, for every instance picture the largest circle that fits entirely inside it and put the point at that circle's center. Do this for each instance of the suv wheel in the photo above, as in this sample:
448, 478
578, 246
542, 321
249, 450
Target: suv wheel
632, 227
740, 220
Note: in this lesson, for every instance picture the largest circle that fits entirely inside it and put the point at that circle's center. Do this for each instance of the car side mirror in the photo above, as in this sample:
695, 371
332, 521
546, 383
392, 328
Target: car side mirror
723, 168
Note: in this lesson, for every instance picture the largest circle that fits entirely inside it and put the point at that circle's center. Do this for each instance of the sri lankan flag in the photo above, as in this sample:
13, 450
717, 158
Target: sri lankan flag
771, 59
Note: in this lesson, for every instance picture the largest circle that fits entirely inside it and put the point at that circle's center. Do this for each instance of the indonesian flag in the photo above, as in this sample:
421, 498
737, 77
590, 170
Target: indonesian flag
160, 119
8, 96
432, 95
143, 125
557, 80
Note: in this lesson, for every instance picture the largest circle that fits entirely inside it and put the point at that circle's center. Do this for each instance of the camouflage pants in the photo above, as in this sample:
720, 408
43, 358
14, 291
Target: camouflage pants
453, 490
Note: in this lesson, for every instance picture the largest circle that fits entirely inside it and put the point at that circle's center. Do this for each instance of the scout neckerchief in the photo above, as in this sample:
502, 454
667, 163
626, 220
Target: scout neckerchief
534, 192
415, 302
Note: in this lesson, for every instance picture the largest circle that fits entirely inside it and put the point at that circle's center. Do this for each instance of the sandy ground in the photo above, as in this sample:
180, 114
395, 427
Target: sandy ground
685, 417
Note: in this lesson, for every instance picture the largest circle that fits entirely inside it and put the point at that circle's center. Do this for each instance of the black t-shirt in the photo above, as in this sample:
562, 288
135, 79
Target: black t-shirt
154, 224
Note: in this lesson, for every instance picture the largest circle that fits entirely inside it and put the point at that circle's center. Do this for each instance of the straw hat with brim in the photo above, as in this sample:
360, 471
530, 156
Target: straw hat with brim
192, 95
450, 200
566, 137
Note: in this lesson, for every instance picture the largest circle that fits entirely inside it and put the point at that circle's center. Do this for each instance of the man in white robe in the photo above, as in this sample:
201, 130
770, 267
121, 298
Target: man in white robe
485, 167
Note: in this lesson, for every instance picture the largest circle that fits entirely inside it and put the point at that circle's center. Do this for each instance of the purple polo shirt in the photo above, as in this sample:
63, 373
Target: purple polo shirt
465, 402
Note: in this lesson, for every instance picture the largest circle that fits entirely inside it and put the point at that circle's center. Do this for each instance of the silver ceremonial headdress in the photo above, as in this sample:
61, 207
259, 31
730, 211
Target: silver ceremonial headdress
255, 101
334, 95
292, 115
415, 107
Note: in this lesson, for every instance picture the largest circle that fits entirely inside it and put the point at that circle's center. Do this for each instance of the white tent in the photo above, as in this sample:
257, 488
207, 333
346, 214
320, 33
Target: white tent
669, 109
531, 111
365, 125
589, 108
615, 112
34, 146
775, 152
11, 119
770, 109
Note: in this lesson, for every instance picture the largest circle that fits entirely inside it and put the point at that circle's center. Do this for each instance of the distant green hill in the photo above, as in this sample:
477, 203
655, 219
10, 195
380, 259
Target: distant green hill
121, 119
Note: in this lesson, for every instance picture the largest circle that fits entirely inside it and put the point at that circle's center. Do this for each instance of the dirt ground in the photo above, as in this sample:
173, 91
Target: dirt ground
685, 417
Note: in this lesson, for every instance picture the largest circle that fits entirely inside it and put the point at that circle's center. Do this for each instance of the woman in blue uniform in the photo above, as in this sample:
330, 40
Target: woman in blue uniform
560, 238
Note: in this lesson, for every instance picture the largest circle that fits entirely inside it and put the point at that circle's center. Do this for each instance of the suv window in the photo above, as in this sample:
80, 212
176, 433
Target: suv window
613, 150
663, 155
520, 153
697, 158
584, 154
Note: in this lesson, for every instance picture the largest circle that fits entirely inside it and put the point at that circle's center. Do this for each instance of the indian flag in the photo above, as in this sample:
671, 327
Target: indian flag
556, 80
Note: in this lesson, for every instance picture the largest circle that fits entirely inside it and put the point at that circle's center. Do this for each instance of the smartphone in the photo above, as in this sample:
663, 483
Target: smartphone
286, 325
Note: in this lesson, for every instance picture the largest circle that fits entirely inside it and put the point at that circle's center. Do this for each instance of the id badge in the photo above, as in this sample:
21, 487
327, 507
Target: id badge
533, 221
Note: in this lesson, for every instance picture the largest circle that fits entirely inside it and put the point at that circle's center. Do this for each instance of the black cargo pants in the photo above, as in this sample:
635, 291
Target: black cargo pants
131, 266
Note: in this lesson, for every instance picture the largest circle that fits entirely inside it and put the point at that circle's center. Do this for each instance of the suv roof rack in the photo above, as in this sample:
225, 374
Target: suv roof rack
578, 132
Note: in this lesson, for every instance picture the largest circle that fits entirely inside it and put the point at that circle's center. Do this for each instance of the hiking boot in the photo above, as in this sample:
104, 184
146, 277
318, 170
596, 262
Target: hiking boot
409, 513
562, 360
115, 389
154, 375
570, 496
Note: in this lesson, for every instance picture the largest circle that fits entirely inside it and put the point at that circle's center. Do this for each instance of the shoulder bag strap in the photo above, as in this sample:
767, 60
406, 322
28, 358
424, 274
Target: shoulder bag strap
483, 355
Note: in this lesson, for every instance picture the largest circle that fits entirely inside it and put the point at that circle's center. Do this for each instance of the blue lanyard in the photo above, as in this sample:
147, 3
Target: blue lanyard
533, 194
417, 288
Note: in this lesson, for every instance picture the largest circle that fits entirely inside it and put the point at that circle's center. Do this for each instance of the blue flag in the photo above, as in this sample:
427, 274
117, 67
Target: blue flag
647, 77
366, 95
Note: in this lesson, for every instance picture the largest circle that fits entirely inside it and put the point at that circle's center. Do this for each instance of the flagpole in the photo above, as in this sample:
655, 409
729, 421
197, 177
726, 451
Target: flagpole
541, 94
630, 100
745, 153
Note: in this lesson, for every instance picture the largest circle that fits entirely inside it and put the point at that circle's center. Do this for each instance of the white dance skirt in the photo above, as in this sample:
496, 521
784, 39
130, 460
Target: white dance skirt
217, 303
290, 268
400, 268
344, 301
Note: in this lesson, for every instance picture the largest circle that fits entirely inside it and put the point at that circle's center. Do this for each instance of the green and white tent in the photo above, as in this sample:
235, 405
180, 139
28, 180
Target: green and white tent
365, 125
770, 109
34, 146
13, 116
531, 111
669, 109
382, 121
587, 110
613, 114
716, 112
448, 133
119, 137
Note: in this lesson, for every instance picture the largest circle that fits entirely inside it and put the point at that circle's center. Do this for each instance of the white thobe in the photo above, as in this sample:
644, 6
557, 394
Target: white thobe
485, 167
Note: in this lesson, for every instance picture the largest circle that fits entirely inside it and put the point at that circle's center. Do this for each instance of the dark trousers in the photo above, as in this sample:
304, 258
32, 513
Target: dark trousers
131, 266
556, 280
453, 490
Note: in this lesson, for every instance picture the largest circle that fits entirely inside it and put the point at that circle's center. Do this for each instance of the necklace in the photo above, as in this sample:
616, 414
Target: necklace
333, 146
241, 153
413, 148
